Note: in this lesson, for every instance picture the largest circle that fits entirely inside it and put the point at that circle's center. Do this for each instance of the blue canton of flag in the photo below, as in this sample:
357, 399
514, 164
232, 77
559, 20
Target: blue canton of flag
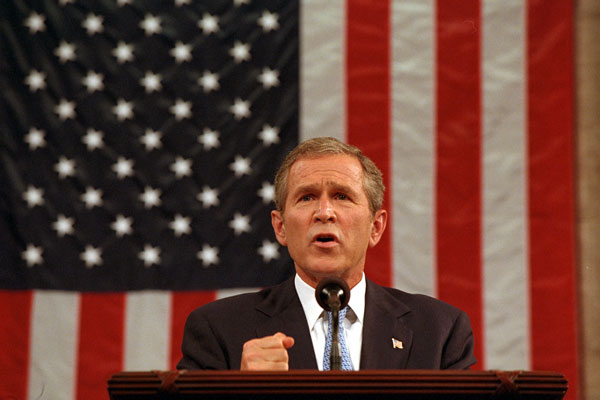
140, 142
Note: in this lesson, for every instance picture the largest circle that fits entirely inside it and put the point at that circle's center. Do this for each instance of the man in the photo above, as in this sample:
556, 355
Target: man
328, 197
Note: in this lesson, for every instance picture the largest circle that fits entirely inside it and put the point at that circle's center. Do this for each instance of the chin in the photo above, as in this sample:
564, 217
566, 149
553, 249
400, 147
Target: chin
324, 270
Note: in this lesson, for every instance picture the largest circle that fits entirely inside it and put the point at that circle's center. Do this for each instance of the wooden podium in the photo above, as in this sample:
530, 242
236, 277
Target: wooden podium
314, 385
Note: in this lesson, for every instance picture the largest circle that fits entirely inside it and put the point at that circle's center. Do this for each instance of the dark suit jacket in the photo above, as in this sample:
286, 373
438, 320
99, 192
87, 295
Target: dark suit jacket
434, 335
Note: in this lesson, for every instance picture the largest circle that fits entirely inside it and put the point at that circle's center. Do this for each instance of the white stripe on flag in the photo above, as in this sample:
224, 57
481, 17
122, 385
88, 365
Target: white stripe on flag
505, 275
413, 145
322, 69
54, 327
147, 330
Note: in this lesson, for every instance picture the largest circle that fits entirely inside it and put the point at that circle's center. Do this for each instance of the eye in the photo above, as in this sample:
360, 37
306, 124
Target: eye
341, 196
306, 197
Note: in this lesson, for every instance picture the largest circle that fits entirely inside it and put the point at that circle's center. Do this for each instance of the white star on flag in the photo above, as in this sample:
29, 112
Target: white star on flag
181, 225
208, 197
240, 109
65, 52
123, 110
32, 255
151, 197
36, 22
63, 225
181, 109
208, 255
209, 81
151, 139
269, 78
240, 52
65, 167
209, 139
123, 167
36, 80
33, 196
92, 256
150, 255
151, 25
181, 52
269, 135
35, 138
241, 166
181, 167
268, 21
267, 192
93, 81
240, 224
93, 139
122, 225
65, 110
269, 251
92, 197
123, 52
93, 24
151, 82
209, 24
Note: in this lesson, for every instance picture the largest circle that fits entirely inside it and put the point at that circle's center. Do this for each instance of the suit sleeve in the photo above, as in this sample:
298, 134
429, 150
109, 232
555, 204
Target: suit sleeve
458, 350
201, 348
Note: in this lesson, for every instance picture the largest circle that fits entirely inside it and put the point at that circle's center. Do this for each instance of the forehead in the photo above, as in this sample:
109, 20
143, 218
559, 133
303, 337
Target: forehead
340, 168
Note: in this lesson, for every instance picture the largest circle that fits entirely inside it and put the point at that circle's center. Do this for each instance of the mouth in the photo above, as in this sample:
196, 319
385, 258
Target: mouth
325, 240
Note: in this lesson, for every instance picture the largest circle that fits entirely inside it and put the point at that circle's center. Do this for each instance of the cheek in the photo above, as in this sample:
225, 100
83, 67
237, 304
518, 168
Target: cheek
290, 231
363, 230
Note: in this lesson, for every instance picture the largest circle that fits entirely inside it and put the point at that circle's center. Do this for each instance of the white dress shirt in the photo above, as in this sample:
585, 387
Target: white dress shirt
318, 323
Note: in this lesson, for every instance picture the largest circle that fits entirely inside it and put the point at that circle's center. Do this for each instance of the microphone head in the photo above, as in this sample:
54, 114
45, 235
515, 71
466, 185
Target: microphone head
332, 290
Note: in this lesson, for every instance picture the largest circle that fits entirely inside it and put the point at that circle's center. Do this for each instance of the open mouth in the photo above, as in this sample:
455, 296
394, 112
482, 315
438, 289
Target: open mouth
325, 239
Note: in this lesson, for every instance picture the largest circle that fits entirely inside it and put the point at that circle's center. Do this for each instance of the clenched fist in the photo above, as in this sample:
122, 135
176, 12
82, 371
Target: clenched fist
267, 353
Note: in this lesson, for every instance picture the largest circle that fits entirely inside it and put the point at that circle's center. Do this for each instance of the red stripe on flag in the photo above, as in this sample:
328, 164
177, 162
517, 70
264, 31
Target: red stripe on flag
550, 58
100, 351
458, 169
15, 315
183, 303
368, 108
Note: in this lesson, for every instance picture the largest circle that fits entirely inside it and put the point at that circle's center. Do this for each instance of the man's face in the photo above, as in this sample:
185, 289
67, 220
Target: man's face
327, 224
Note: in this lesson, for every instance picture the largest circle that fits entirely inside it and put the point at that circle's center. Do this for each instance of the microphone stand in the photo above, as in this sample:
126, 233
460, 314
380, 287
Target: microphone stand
333, 294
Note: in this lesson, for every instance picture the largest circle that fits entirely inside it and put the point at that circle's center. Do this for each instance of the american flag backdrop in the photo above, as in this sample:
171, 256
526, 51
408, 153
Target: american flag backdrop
139, 139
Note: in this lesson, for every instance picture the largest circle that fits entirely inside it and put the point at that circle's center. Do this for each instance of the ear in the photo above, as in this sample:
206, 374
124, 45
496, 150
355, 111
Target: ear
278, 227
378, 227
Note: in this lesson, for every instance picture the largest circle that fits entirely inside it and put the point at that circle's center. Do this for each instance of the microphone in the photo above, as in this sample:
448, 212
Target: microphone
333, 294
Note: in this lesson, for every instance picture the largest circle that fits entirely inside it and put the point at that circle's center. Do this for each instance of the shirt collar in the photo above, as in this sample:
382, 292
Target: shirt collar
313, 310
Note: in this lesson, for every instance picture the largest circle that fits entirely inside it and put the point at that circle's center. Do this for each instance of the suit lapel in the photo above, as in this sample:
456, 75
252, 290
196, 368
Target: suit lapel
285, 314
382, 326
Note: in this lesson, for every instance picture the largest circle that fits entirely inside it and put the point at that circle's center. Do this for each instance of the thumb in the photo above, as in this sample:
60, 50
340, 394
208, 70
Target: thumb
286, 341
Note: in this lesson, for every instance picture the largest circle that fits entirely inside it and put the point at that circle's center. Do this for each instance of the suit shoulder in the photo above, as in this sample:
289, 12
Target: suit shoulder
236, 304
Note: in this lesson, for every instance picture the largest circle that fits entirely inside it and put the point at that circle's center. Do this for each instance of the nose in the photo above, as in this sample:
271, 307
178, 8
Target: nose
325, 211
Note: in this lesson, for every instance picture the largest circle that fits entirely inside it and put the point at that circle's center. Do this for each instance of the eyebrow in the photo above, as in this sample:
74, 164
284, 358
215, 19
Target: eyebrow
330, 185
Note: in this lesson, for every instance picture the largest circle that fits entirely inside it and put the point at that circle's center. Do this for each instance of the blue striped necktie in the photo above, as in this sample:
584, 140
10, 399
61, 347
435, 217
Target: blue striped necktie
346, 361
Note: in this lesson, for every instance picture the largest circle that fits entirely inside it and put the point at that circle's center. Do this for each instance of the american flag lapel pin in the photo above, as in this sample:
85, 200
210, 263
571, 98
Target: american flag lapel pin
397, 344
